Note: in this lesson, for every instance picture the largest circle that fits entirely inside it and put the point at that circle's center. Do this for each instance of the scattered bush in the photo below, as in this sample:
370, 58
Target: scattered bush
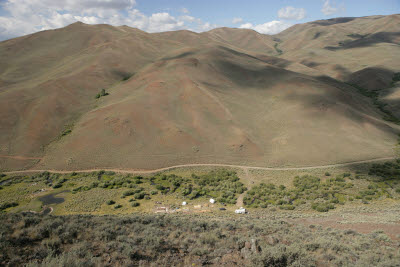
322, 207
102, 93
66, 132
396, 77
139, 195
287, 207
8, 205
128, 193
110, 202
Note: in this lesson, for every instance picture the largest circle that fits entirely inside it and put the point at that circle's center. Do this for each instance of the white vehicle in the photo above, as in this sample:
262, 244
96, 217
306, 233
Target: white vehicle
241, 211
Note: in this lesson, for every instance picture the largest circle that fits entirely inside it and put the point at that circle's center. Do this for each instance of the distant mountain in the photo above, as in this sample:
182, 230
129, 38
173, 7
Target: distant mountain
224, 96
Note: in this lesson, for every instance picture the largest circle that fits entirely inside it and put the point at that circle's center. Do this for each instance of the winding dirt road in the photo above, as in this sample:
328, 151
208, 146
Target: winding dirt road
19, 157
246, 168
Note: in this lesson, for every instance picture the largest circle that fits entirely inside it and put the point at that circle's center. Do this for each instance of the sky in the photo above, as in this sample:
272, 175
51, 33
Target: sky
21, 17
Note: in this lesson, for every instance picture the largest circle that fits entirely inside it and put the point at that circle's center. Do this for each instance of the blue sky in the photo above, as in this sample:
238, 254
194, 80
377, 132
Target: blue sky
20, 17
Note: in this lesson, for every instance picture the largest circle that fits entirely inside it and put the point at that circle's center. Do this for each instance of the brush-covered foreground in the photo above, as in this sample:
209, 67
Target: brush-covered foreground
184, 240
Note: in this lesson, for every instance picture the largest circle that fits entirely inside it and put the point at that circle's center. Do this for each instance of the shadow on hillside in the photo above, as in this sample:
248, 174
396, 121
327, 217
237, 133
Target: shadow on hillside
333, 21
179, 56
380, 37
317, 35
276, 61
251, 77
309, 63
352, 108
372, 78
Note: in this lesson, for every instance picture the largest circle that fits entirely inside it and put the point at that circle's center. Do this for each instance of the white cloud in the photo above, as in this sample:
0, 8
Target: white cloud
28, 16
272, 27
206, 26
160, 22
18, 7
184, 10
187, 18
237, 20
292, 13
246, 26
328, 9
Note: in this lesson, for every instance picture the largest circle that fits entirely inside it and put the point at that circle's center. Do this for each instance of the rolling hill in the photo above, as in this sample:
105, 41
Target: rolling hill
229, 96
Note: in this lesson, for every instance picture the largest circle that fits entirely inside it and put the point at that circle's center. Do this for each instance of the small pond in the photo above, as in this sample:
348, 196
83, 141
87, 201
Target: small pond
52, 199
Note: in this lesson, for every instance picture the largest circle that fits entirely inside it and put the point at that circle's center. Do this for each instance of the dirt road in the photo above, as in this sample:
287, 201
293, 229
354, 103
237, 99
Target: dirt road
245, 168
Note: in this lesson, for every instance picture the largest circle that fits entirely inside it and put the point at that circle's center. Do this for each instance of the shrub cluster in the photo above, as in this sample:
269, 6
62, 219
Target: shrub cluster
307, 189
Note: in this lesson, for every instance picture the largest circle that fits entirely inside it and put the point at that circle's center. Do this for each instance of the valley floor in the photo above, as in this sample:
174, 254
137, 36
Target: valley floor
347, 214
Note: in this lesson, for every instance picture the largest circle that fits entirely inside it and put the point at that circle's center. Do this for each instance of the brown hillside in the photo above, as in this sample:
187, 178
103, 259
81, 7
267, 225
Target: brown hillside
222, 96
215, 105
338, 47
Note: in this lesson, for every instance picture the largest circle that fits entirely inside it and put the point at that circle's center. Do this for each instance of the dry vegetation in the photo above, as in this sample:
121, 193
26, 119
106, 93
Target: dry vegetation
184, 240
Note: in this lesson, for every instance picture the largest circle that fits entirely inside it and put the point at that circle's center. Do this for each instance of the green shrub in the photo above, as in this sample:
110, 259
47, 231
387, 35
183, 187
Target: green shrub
110, 202
322, 207
396, 77
139, 195
278, 50
327, 174
128, 193
287, 207
335, 200
66, 132
102, 93
135, 204
340, 179
117, 206
57, 185
8, 205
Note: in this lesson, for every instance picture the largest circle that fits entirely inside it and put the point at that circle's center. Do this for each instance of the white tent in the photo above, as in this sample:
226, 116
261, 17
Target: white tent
212, 201
184, 203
